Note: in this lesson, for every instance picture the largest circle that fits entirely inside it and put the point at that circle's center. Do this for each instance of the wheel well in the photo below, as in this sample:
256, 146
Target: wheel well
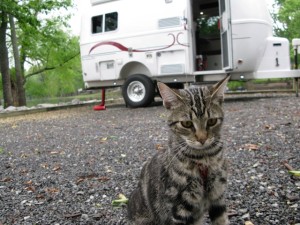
132, 68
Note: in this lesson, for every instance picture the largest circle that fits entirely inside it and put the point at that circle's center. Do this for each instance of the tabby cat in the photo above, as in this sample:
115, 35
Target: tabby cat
179, 185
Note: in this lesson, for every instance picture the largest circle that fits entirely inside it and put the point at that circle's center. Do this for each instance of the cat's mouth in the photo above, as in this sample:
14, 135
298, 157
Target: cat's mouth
198, 145
197, 151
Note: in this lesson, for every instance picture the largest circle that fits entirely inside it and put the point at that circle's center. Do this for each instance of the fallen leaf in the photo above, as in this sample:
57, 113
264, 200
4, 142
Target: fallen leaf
56, 168
269, 127
44, 165
159, 147
6, 179
120, 201
52, 190
289, 167
98, 216
54, 152
287, 124
252, 147
40, 196
103, 140
30, 188
89, 176
79, 180
23, 171
248, 223
29, 182
24, 156
268, 147
295, 173
103, 179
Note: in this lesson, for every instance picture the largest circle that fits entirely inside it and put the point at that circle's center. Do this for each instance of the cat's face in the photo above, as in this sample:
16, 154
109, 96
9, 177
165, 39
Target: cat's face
198, 120
196, 114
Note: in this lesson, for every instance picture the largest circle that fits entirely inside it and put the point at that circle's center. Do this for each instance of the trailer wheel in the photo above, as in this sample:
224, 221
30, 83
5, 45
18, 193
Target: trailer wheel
138, 91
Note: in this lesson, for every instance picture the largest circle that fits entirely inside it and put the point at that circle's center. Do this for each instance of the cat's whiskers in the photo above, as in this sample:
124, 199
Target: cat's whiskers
179, 149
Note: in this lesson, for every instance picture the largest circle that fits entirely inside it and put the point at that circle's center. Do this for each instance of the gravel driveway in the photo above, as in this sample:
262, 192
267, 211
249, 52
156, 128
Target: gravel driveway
66, 166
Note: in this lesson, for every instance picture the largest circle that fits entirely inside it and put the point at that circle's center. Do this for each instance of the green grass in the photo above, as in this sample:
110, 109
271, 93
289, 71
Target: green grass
273, 80
236, 85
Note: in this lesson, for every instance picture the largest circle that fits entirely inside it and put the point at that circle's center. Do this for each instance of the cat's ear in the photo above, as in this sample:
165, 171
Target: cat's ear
218, 90
171, 98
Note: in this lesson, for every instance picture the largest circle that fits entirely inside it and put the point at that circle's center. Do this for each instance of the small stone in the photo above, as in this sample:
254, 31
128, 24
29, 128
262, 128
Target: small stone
75, 101
85, 216
243, 210
294, 206
258, 214
23, 202
261, 188
26, 217
246, 216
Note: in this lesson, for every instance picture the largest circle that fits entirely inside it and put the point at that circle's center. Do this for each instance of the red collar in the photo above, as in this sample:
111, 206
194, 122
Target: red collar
203, 171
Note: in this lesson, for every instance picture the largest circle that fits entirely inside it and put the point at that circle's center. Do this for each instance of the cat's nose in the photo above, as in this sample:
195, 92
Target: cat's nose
201, 136
202, 141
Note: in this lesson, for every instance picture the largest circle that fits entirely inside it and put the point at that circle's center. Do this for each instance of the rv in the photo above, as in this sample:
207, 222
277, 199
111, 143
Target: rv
134, 43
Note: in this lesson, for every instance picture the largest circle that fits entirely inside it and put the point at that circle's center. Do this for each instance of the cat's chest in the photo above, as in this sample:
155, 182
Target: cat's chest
187, 184
185, 175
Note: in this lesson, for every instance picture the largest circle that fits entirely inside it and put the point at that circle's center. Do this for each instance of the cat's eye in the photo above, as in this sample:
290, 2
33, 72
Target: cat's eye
187, 124
212, 122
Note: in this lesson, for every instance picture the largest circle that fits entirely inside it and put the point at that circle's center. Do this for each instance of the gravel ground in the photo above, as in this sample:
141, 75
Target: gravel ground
66, 166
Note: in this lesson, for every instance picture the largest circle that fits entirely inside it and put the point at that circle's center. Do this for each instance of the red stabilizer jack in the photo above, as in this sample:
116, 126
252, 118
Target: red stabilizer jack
102, 105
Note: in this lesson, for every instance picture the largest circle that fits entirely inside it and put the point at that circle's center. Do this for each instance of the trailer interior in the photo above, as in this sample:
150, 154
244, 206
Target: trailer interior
206, 18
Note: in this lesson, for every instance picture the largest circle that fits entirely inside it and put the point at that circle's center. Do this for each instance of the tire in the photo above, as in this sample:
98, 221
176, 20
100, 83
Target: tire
138, 91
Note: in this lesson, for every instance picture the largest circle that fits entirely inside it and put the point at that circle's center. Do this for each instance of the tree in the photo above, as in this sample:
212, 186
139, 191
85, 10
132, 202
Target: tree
4, 62
59, 72
26, 13
21, 98
289, 19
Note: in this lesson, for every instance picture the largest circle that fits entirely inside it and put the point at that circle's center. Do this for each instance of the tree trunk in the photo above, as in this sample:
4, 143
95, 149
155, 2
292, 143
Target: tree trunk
4, 62
21, 97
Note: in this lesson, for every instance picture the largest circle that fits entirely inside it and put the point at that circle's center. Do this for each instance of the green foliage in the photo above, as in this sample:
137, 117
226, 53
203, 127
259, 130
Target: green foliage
1, 89
208, 26
45, 45
272, 80
236, 85
55, 54
289, 19
27, 11
61, 81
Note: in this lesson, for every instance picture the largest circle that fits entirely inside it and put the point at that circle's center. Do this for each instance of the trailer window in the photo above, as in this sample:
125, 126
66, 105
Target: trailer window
97, 25
111, 21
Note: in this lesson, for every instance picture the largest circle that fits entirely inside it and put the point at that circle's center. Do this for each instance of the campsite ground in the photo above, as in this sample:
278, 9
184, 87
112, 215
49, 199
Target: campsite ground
66, 166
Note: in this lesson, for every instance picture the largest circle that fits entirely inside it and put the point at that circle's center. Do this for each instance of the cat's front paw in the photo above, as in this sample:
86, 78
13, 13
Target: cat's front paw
221, 221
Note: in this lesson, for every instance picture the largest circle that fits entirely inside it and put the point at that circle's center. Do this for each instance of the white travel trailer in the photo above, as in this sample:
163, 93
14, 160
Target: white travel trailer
134, 43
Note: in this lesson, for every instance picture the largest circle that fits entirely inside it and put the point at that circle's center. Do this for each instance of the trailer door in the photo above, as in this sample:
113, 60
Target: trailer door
226, 34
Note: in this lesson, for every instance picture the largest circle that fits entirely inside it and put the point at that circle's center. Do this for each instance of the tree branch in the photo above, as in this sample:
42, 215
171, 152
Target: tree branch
51, 68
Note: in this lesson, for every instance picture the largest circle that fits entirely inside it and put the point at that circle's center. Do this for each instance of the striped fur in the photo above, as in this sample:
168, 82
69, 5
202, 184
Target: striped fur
179, 185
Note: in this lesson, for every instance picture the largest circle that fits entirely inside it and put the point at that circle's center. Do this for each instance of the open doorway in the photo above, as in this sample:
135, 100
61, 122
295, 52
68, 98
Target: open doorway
211, 39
